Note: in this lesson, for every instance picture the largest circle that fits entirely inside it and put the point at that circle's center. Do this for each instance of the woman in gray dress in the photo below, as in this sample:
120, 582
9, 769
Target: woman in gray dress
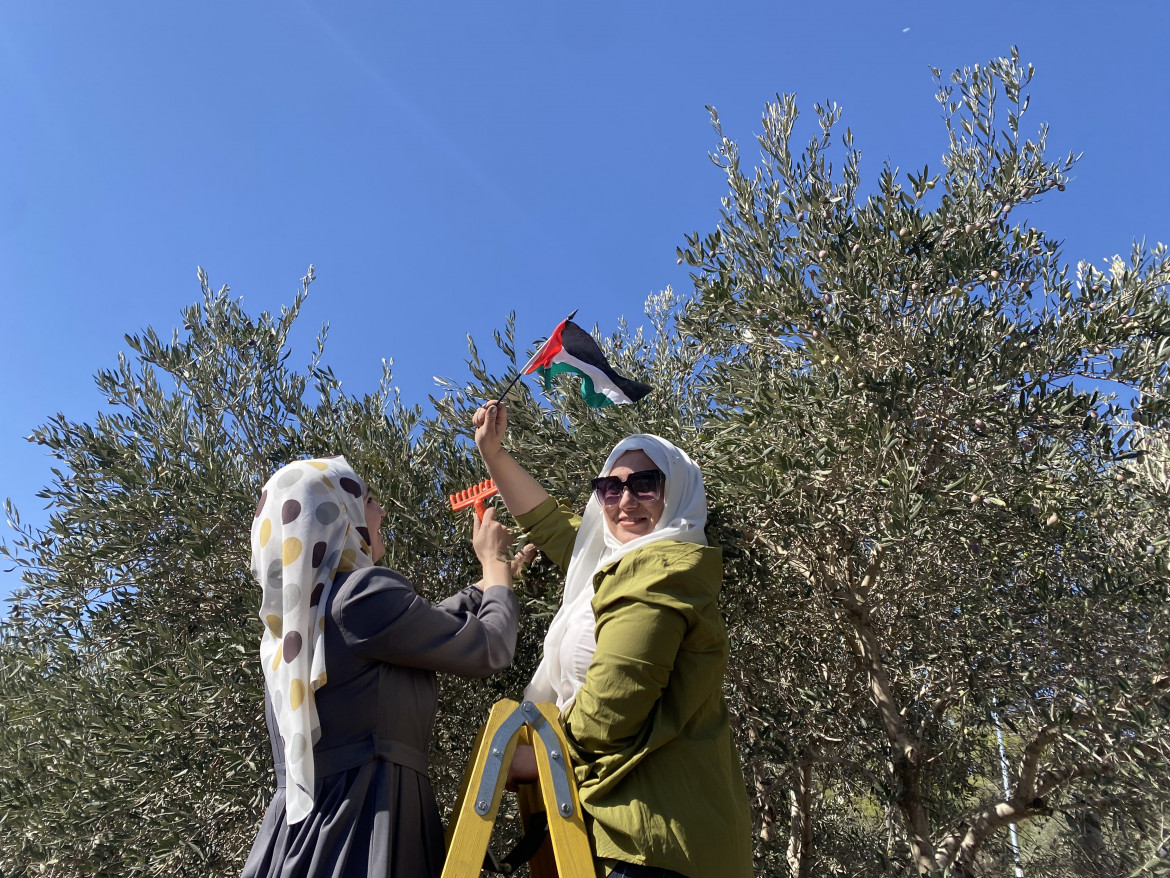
349, 654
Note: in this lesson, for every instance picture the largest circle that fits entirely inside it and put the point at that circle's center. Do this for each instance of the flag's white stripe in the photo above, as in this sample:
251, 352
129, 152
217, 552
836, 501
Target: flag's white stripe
601, 381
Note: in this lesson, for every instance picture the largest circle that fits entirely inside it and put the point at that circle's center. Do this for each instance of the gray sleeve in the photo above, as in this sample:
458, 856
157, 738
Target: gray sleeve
382, 618
467, 601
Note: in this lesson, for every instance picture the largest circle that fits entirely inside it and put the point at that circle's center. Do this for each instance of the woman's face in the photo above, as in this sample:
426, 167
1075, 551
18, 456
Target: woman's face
631, 518
374, 515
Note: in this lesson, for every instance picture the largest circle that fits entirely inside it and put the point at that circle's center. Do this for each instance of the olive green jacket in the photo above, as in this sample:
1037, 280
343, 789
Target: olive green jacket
658, 774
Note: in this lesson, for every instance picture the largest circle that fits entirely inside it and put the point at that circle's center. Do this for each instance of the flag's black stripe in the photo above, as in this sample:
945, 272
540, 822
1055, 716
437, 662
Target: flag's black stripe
581, 345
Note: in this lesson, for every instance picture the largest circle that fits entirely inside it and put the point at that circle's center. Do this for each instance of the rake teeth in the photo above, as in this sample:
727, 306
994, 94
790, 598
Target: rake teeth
473, 496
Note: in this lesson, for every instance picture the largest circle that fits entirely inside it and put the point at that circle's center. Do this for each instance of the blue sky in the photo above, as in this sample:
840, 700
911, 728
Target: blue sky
445, 163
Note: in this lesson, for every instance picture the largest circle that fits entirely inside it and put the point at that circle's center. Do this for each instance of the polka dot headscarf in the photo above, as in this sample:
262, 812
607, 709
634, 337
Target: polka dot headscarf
309, 526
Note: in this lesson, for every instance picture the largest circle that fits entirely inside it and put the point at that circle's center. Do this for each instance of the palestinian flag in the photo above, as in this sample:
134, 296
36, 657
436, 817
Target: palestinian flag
572, 350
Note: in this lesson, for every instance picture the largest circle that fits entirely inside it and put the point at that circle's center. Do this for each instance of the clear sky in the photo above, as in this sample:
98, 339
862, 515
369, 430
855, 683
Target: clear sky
445, 163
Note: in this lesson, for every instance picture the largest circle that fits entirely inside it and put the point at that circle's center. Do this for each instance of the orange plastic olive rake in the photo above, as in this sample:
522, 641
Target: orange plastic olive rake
474, 496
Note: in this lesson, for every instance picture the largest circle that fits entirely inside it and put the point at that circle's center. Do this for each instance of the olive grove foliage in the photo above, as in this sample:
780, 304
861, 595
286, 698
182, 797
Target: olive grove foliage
923, 419
132, 736
936, 462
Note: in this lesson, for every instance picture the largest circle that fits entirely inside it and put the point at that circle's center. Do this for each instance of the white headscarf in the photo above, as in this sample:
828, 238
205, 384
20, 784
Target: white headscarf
310, 525
570, 642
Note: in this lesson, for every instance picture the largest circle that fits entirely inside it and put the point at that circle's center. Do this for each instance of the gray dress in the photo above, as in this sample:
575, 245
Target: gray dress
374, 813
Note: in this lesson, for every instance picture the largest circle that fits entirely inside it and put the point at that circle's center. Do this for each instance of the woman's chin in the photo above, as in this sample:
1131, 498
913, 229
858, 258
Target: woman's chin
626, 532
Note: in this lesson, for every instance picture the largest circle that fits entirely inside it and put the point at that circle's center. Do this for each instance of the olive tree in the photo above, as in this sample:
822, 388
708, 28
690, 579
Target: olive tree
920, 407
131, 729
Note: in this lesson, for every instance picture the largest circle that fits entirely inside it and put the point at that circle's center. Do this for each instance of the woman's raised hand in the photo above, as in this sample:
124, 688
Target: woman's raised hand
491, 541
521, 492
491, 423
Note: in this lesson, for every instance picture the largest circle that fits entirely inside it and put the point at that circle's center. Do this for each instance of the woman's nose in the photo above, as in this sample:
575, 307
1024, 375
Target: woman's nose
627, 497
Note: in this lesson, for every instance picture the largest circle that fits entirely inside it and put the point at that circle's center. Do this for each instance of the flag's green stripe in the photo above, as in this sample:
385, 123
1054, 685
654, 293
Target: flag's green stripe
600, 382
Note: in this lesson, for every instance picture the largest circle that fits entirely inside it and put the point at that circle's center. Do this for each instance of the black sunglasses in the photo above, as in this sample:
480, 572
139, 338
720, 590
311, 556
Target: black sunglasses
644, 486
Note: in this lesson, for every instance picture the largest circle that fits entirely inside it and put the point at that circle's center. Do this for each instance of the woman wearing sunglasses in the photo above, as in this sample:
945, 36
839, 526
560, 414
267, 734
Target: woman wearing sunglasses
634, 659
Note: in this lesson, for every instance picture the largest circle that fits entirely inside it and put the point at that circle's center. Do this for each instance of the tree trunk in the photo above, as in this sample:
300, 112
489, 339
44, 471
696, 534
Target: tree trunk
800, 826
904, 756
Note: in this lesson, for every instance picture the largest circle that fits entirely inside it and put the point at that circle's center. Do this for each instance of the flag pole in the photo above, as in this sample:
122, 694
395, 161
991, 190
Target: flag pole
504, 396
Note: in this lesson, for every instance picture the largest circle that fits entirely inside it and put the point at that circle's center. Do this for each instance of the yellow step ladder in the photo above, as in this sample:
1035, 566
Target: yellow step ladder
555, 792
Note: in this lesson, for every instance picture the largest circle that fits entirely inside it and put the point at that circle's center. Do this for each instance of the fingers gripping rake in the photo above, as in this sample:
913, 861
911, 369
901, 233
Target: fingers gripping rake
474, 496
